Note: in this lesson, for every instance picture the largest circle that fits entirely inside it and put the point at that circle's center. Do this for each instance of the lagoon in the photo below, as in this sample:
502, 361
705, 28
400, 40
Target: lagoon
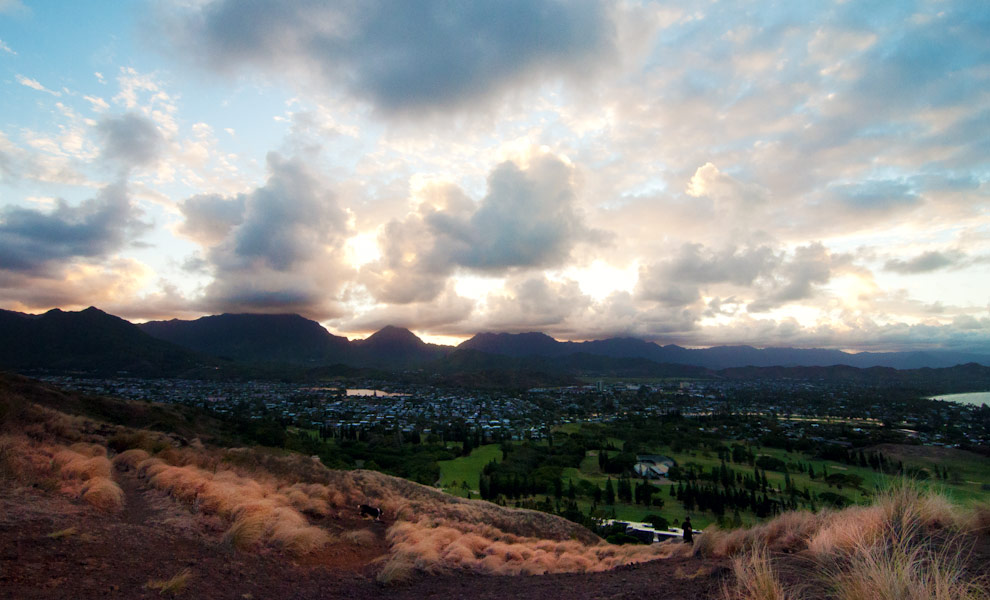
371, 393
974, 398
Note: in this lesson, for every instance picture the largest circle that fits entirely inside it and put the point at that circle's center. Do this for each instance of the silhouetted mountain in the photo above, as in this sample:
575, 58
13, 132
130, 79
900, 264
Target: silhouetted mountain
89, 341
516, 344
290, 345
718, 357
393, 347
254, 338
563, 368
959, 378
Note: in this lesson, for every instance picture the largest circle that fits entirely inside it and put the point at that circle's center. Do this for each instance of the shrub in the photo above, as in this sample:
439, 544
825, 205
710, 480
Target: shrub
73, 465
104, 494
129, 459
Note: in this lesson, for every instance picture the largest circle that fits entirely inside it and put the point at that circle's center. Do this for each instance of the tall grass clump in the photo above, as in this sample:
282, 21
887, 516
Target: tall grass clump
911, 543
78, 465
258, 511
104, 494
129, 459
755, 578
902, 568
172, 586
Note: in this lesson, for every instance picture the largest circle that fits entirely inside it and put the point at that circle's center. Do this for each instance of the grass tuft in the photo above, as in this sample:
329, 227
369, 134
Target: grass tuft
63, 533
104, 494
129, 459
398, 569
755, 578
173, 586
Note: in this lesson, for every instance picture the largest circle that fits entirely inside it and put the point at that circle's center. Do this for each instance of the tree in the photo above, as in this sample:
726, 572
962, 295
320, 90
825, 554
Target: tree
609, 492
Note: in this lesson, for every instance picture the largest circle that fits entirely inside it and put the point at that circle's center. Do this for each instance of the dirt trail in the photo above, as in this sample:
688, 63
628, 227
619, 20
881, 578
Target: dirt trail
137, 510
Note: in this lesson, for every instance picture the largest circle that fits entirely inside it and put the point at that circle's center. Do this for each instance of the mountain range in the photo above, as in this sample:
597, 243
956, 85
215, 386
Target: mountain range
94, 341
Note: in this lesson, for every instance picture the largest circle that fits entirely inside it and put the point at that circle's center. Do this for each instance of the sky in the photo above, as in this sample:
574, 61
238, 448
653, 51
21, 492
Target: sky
806, 174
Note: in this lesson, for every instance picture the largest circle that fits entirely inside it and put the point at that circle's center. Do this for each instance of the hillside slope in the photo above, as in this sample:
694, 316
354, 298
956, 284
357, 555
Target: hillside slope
90, 508
93, 342
253, 338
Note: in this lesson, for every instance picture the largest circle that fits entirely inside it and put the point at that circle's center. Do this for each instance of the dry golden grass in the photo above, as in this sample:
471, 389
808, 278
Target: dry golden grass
88, 449
755, 578
978, 520
437, 545
360, 537
909, 544
63, 533
397, 569
259, 512
74, 465
174, 586
902, 569
24, 460
845, 530
104, 494
129, 459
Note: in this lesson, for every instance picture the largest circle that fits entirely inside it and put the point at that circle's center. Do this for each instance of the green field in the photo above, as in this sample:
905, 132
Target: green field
969, 473
453, 473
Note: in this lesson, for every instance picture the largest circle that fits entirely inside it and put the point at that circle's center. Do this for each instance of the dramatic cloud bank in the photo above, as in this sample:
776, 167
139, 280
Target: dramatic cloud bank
401, 56
808, 174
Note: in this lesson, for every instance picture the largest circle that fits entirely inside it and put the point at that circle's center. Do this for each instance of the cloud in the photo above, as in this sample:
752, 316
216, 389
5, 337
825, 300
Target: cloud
12, 7
34, 84
277, 248
535, 302
874, 195
528, 219
810, 266
39, 242
724, 190
209, 218
448, 312
925, 262
98, 104
5, 48
130, 140
678, 280
110, 283
769, 277
401, 56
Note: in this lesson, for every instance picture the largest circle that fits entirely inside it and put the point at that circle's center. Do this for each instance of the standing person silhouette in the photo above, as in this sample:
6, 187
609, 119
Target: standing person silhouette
688, 531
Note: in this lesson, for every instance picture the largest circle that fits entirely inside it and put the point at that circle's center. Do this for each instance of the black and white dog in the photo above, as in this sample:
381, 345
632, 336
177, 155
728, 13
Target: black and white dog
370, 511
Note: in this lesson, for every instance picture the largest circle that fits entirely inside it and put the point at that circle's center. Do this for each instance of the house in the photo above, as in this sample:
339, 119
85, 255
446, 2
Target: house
652, 466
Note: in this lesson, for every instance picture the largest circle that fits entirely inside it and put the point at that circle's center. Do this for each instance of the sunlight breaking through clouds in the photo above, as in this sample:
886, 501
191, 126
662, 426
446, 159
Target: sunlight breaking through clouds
788, 174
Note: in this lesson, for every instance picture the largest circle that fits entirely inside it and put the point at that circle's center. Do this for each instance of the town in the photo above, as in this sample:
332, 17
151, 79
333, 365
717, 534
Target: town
819, 411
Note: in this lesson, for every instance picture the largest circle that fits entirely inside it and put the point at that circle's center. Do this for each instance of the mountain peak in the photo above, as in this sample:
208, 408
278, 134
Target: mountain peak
391, 334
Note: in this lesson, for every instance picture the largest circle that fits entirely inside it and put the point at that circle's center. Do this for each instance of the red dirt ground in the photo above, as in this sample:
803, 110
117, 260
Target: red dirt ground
102, 555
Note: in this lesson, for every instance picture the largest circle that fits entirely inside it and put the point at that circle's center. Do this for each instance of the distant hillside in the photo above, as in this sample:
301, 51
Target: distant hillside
294, 340
393, 347
90, 341
254, 338
265, 346
957, 379
718, 357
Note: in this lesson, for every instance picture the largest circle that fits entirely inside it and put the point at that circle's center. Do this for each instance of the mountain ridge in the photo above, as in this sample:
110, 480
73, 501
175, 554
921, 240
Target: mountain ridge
92, 340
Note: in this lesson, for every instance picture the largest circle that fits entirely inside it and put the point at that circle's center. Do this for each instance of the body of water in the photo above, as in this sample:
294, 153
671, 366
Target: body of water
974, 398
364, 392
